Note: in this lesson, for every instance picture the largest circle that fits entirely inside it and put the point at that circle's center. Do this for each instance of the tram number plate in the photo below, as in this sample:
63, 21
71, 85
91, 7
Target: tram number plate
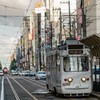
64, 84
77, 86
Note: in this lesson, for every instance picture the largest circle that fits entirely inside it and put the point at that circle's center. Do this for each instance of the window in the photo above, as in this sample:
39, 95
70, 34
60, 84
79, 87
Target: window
53, 58
75, 64
41, 72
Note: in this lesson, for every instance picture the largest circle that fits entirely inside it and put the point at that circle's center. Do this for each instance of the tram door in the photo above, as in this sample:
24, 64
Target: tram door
52, 70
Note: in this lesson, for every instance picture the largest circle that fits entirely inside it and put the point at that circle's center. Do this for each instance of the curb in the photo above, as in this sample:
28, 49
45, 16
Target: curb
96, 94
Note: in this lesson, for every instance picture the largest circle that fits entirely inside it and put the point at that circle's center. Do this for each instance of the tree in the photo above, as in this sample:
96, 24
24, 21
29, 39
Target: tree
13, 64
0, 66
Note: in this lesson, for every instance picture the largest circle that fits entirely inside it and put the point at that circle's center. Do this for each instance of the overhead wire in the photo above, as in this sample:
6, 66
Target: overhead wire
20, 26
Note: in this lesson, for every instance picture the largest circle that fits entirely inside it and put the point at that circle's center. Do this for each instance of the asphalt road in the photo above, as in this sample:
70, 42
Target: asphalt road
0, 84
26, 88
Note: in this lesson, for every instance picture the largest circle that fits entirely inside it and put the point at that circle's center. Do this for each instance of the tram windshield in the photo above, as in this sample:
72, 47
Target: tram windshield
76, 63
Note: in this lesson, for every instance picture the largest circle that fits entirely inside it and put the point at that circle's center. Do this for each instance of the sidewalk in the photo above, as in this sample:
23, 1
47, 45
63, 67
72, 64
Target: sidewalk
97, 94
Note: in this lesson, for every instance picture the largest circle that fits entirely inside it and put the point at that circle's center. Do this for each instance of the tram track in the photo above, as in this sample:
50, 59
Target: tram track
12, 88
32, 80
38, 81
35, 84
33, 88
15, 93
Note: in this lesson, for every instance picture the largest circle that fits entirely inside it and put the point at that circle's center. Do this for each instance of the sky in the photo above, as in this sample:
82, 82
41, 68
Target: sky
11, 19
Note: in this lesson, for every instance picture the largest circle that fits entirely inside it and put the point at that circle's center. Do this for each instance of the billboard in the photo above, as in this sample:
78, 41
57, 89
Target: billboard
48, 38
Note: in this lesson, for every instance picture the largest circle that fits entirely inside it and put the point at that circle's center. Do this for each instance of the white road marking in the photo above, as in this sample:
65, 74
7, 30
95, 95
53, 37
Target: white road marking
34, 98
14, 92
35, 84
2, 90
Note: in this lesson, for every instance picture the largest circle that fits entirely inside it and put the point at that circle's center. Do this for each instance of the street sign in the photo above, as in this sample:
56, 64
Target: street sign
42, 29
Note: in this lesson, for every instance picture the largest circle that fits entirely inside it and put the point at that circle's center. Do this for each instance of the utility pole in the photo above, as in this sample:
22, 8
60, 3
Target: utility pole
84, 20
69, 20
51, 35
21, 53
60, 35
73, 27
32, 53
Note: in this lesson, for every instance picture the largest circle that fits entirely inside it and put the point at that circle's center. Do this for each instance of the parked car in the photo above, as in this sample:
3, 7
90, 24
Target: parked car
14, 73
27, 73
32, 73
23, 73
40, 75
1, 73
20, 73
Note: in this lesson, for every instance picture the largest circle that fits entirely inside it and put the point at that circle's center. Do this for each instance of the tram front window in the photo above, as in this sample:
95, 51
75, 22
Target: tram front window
75, 64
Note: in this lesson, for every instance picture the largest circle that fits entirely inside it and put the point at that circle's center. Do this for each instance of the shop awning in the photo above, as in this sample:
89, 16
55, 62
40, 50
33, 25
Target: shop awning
93, 41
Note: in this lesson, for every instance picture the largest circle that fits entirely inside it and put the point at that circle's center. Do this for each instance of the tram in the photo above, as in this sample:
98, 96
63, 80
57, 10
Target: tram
5, 70
68, 69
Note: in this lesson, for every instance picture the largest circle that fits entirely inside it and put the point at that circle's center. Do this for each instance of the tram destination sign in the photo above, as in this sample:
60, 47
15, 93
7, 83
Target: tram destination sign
75, 51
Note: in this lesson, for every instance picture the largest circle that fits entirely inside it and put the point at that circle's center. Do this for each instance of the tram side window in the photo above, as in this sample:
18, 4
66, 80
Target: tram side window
57, 60
85, 64
66, 62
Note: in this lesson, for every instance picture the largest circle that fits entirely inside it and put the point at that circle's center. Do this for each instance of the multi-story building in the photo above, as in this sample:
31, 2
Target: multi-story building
11, 57
91, 14
25, 43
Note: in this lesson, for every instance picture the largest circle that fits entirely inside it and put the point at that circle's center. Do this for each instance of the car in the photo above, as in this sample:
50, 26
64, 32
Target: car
32, 73
40, 75
27, 73
20, 73
23, 73
14, 73
1, 73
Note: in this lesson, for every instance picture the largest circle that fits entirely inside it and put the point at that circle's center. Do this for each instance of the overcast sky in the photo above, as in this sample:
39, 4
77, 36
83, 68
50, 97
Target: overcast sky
11, 18
10, 26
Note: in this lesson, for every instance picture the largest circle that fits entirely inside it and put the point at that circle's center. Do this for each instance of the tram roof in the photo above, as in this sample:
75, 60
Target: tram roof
93, 41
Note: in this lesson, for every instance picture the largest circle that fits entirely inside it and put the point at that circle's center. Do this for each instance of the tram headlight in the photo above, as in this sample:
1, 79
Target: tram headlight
83, 79
70, 79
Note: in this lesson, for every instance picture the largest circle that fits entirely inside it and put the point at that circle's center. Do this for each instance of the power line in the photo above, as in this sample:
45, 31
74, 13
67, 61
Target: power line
21, 25
11, 7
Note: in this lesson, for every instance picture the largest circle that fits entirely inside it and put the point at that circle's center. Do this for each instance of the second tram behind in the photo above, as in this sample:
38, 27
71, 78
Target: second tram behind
5, 70
68, 70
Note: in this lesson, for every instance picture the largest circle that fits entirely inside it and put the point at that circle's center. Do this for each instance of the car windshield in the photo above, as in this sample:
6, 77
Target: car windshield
23, 71
75, 63
32, 72
27, 71
41, 72
14, 71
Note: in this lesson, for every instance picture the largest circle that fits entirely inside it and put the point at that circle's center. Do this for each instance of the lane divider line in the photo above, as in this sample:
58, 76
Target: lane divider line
14, 92
2, 90
40, 82
35, 84
33, 97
